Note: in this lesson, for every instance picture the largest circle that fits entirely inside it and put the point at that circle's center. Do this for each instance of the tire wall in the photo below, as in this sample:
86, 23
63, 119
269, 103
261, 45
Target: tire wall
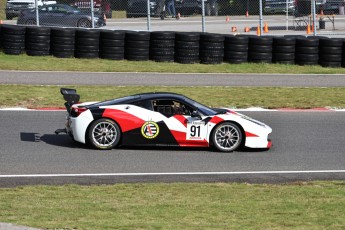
169, 46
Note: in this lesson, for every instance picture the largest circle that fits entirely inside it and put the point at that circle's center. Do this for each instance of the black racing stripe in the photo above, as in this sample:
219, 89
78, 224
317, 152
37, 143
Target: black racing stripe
135, 137
97, 113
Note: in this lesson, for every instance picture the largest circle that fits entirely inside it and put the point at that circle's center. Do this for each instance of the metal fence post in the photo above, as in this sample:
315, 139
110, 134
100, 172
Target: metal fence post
313, 10
148, 16
287, 15
203, 15
37, 17
92, 15
260, 17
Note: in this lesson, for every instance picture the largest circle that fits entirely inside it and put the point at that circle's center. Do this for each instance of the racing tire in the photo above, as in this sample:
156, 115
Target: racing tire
211, 37
187, 36
38, 52
163, 35
104, 134
13, 29
235, 60
137, 36
63, 32
284, 49
227, 137
330, 64
307, 50
236, 47
309, 41
260, 48
37, 31
330, 50
284, 41
113, 34
63, 54
264, 40
331, 42
111, 43
238, 39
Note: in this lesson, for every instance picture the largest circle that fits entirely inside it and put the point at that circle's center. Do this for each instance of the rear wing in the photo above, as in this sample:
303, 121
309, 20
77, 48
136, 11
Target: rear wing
71, 97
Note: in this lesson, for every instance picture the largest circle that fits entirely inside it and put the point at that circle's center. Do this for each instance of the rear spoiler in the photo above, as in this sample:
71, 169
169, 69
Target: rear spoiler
71, 97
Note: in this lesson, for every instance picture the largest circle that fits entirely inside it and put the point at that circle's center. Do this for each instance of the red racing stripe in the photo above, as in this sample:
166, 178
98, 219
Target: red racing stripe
125, 120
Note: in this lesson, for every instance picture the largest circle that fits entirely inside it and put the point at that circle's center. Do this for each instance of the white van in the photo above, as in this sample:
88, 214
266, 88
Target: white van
13, 7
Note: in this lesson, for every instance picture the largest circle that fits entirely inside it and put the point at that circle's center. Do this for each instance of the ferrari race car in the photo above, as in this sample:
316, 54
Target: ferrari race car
160, 119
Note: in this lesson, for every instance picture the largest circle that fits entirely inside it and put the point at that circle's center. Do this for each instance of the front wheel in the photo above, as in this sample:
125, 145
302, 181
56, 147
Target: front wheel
227, 137
104, 134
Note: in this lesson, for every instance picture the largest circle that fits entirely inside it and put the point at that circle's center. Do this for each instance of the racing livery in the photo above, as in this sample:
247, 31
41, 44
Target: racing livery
160, 119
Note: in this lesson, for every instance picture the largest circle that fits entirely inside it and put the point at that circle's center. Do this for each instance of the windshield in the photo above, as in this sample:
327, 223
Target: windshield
202, 108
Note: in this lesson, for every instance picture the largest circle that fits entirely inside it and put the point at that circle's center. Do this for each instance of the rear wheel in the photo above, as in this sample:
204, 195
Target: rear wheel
84, 23
104, 134
227, 137
30, 22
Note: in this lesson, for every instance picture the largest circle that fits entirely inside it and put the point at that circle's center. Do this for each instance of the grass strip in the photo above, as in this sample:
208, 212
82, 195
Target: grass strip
233, 97
49, 63
312, 205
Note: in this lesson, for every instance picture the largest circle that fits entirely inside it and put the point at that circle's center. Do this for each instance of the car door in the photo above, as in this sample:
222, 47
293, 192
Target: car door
183, 122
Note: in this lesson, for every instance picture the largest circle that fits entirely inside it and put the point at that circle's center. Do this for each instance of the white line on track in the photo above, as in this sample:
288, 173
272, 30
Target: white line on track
169, 174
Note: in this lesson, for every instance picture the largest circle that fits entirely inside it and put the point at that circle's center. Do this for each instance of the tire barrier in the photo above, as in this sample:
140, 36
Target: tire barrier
137, 46
62, 42
13, 39
260, 49
112, 44
37, 41
330, 52
169, 46
162, 46
87, 43
211, 48
284, 50
187, 47
307, 51
236, 49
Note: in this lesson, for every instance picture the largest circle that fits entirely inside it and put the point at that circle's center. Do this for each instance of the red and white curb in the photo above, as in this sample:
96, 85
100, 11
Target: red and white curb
253, 109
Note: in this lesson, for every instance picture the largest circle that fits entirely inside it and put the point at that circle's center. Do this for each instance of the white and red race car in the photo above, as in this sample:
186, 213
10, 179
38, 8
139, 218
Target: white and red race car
160, 119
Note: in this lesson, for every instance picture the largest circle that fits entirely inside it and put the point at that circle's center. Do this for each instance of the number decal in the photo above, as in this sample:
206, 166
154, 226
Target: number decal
196, 130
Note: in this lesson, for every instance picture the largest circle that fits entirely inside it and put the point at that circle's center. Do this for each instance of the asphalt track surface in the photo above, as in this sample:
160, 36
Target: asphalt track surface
166, 79
307, 145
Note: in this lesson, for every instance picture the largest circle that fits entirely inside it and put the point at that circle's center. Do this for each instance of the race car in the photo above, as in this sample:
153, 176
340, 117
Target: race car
160, 119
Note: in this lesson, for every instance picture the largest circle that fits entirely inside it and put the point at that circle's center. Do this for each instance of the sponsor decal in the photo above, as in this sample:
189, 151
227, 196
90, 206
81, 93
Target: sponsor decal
150, 130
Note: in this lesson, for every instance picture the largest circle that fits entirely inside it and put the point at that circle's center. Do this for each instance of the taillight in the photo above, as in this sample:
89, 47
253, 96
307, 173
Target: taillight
76, 111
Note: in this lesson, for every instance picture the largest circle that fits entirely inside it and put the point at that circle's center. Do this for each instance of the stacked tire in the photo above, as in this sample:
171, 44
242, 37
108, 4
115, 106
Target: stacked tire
260, 49
112, 44
62, 42
137, 46
87, 43
307, 51
330, 52
187, 47
236, 49
211, 48
13, 39
284, 50
162, 46
37, 41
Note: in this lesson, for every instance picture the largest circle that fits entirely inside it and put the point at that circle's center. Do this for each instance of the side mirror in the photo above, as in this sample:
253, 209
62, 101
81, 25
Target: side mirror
196, 114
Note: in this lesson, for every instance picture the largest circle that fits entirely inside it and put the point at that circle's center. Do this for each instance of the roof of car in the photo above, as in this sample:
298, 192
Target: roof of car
152, 95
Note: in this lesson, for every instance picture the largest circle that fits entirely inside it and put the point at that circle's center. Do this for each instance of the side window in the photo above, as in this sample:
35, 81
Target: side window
144, 104
171, 108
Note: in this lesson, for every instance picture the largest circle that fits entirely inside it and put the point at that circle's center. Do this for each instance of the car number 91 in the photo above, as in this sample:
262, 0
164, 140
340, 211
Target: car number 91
196, 130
